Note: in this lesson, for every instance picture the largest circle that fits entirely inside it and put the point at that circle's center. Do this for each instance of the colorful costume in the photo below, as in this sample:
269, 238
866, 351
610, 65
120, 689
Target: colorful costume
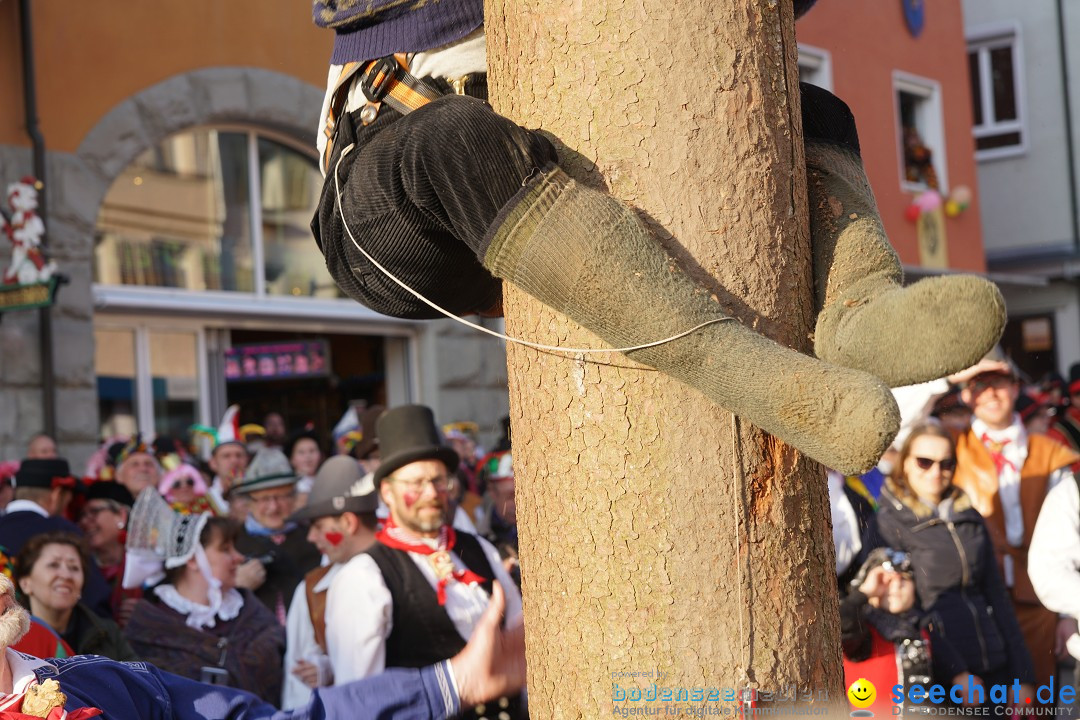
137, 690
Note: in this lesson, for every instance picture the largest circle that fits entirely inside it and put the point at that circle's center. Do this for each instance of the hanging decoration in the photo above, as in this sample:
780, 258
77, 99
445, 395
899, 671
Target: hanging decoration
931, 200
30, 280
959, 200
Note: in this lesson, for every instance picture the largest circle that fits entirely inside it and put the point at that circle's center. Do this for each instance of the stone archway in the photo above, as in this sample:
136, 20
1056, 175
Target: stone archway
202, 97
78, 184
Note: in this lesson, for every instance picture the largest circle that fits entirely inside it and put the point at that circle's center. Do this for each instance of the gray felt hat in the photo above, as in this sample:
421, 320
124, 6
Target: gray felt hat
340, 486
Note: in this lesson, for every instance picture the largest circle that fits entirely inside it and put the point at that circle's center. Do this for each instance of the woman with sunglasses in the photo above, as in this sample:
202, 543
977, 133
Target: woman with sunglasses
185, 489
956, 578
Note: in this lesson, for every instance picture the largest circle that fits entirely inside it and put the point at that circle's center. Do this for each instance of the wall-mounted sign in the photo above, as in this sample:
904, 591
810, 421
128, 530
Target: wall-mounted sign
25, 297
914, 16
933, 245
277, 361
30, 280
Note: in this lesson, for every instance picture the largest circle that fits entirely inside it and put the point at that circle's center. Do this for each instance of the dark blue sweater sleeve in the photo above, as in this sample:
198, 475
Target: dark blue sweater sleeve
396, 694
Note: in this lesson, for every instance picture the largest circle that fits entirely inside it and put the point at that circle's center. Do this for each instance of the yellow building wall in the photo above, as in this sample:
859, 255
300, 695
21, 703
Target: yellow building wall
91, 56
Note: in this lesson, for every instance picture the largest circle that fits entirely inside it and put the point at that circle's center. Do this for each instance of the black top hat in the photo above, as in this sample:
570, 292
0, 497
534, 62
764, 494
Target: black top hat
109, 490
44, 473
407, 434
340, 486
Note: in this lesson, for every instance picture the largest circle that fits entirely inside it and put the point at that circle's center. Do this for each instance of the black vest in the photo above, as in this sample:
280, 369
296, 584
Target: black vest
423, 634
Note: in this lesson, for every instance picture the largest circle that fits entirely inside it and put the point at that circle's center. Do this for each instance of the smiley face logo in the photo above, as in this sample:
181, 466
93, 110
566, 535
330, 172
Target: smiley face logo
861, 693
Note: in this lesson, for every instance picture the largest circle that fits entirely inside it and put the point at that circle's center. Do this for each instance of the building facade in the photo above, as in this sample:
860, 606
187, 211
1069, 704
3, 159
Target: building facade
180, 181
1025, 86
901, 67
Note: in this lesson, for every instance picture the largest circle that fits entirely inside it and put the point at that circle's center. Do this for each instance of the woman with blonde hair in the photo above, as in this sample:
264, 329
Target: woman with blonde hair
956, 578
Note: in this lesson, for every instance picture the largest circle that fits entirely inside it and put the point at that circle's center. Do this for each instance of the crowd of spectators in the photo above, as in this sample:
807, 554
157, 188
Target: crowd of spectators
190, 562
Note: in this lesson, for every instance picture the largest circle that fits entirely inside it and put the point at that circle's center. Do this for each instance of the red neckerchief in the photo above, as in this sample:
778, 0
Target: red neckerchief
394, 537
996, 452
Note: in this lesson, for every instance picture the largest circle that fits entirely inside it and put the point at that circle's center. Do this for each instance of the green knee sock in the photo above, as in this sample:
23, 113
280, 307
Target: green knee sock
867, 320
588, 256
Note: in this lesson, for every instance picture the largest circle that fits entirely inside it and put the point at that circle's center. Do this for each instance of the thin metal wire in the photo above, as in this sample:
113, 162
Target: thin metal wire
740, 483
474, 326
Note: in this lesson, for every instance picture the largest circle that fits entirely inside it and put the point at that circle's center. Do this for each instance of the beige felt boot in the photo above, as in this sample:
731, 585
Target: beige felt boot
588, 256
867, 320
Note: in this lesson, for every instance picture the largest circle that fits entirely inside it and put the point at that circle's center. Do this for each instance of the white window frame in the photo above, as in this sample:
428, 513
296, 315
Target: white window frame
231, 301
817, 62
931, 124
140, 328
982, 39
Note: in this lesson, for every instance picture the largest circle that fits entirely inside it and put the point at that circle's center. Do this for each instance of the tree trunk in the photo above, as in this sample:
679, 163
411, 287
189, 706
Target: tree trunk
658, 532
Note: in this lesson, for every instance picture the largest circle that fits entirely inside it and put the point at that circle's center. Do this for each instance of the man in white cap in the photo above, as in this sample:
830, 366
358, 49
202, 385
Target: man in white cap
341, 512
1007, 472
85, 686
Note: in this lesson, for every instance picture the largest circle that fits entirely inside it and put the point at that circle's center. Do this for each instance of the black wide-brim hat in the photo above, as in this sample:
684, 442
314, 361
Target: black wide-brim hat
108, 490
407, 434
45, 473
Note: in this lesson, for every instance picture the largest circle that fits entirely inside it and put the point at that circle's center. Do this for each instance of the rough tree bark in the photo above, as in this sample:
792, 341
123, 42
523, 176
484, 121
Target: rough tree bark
657, 532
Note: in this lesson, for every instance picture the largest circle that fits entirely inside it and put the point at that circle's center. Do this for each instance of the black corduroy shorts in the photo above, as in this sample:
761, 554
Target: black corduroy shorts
418, 193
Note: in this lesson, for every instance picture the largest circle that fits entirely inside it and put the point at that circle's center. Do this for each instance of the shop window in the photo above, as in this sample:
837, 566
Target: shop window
290, 184
149, 379
815, 66
174, 380
114, 365
1031, 341
921, 133
994, 72
214, 210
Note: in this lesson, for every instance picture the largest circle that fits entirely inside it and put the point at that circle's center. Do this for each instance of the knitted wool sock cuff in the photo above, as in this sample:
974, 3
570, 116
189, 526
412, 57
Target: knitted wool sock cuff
853, 259
867, 320
588, 256
515, 234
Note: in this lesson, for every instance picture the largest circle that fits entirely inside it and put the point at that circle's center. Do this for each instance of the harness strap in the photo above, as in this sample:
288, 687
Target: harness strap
384, 80
388, 80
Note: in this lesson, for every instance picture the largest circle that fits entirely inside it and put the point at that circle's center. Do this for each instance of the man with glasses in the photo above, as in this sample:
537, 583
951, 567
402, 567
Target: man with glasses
1007, 472
103, 520
415, 597
277, 549
43, 490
